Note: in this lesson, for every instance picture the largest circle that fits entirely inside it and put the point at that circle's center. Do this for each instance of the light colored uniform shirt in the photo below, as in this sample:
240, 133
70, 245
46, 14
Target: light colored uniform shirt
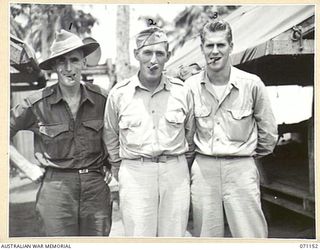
240, 123
139, 123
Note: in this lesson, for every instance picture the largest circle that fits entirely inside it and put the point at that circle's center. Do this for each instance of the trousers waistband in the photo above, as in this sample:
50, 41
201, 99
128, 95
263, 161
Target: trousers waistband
157, 159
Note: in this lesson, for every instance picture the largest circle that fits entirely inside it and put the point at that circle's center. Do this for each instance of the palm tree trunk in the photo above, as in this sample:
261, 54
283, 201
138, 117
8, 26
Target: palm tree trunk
44, 37
123, 58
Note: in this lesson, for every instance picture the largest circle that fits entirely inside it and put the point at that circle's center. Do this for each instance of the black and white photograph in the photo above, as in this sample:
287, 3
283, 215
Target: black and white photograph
161, 121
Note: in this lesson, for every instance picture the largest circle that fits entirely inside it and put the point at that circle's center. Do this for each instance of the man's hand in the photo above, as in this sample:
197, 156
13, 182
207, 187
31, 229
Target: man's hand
31, 170
34, 172
115, 171
108, 176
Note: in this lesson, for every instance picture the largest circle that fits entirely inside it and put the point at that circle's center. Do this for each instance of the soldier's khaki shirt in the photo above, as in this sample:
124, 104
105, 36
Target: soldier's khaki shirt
241, 123
61, 141
139, 123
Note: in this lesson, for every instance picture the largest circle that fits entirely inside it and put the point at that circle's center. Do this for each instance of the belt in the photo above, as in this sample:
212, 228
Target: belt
227, 157
157, 159
80, 171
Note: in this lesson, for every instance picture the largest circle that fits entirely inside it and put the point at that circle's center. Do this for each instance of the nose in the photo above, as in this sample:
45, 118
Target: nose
215, 49
68, 65
153, 58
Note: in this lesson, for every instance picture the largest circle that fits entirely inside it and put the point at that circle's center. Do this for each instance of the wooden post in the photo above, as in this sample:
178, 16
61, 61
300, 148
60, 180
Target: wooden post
311, 155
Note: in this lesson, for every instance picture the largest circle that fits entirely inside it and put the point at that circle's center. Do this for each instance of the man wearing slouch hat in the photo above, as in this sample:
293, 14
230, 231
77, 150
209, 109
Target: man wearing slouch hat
148, 132
67, 121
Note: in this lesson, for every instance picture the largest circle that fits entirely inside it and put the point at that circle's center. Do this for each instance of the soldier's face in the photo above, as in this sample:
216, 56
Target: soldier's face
69, 67
216, 50
152, 59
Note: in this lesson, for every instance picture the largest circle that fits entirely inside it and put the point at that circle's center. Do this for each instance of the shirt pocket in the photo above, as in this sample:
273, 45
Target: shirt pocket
239, 124
93, 136
57, 140
130, 131
203, 119
175, 118
174, 126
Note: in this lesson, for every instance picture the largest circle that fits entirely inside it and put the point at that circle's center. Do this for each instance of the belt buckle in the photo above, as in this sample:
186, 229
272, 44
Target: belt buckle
83, 171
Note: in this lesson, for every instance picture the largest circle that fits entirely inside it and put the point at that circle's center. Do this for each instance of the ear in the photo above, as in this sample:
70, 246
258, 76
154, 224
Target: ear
231, 46
54, 65
136, 54
84, 62
168, 55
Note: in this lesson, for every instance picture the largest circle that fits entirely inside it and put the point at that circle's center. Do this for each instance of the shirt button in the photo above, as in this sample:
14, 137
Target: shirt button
152, 111
217, 139
218, 123
154, 127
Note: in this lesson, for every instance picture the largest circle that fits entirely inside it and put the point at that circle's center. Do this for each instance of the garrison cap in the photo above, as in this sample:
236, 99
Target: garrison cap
150, 36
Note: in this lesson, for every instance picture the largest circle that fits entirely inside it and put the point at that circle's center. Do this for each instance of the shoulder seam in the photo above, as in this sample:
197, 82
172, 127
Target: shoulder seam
39, 95
97, 89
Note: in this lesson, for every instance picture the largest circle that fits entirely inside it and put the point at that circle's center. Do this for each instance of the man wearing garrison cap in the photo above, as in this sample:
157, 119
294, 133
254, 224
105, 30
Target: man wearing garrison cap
67, 121
148, 132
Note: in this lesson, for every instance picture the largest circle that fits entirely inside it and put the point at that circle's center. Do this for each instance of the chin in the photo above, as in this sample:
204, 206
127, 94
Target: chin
153, 77
215, 68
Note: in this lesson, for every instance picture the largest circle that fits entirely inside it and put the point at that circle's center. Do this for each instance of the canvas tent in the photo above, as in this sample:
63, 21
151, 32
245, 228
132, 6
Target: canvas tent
257, 33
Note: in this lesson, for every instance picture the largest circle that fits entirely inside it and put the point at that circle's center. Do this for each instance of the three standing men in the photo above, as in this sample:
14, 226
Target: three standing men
234, 124
149, 127
67, 121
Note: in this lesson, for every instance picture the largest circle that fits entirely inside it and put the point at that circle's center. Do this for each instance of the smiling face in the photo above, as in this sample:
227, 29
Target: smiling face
152, 59
216, 49
68, 68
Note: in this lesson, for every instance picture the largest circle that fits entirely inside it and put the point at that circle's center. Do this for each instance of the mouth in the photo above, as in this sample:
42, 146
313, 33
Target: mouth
70, 77
153, 67
214, 60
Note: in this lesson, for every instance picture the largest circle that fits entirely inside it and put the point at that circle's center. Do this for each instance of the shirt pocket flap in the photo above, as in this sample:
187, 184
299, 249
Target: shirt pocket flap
202, 111
175, 117
53, 130
93, 124
238, 114
128, 123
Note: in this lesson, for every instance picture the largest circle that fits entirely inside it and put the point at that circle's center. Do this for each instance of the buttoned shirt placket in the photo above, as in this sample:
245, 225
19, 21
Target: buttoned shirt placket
153, 110
208, 87
75, 123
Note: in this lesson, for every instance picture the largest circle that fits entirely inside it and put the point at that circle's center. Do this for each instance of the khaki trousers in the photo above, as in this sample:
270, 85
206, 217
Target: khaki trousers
73, 204
232, 184
154, 197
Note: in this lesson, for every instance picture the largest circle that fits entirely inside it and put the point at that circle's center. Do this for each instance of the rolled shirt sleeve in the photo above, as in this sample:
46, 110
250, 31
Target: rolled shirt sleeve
21, 117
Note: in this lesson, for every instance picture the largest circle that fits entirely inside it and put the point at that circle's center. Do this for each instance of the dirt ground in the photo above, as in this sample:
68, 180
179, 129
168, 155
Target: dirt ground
23, 223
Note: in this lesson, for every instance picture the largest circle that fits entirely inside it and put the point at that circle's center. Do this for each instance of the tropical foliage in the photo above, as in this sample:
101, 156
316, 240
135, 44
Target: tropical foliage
191, 20
36, 23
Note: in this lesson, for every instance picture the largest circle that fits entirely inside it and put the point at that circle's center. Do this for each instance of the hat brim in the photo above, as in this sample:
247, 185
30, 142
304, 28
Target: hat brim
86, 48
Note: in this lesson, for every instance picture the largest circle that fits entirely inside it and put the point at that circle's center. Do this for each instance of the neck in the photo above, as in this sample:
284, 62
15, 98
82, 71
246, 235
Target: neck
149, 84
71, 92
221, 77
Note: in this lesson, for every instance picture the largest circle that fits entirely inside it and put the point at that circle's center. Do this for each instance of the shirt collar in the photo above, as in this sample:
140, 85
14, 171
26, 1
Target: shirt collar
57, 95
164, 83
86, 95
232, 81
